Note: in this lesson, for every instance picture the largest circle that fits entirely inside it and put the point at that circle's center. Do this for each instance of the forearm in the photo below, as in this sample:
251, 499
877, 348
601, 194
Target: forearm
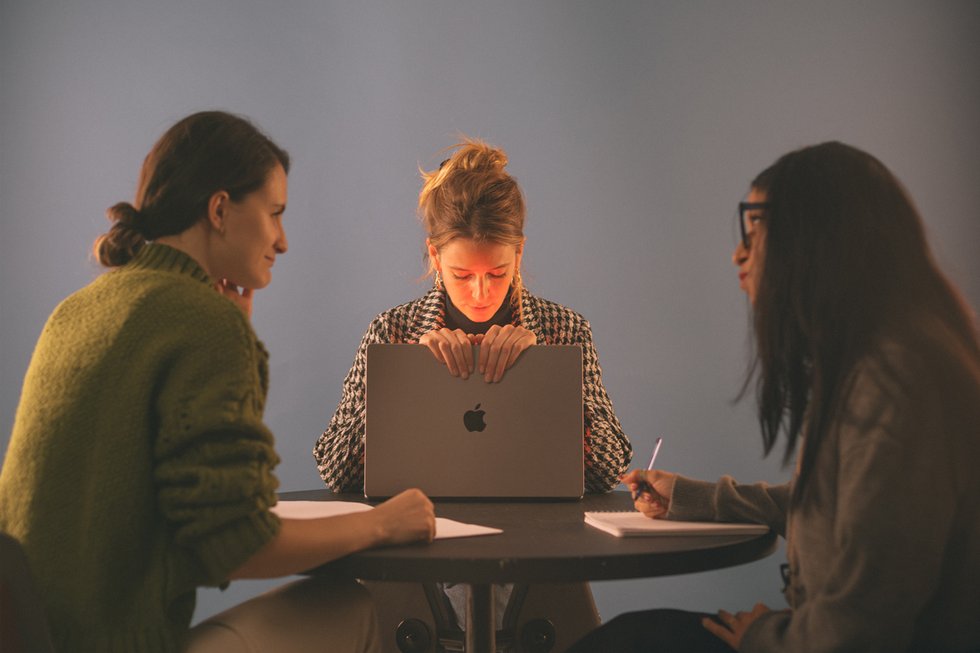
304, 544
727, 500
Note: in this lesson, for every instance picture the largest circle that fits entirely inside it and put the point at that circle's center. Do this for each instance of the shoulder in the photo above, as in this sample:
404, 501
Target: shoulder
925, 375
409, 321
554, 320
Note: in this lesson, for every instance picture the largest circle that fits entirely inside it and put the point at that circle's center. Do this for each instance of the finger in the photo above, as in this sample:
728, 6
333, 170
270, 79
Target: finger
632, 477
430, 341
718, 630
447, 355
520, 345
485, 344
466, 343
505, 342
490, 365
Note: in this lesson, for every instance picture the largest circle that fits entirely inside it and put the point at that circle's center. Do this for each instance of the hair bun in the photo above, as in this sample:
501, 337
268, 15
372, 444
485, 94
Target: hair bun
124, 239
124, 213
476, 156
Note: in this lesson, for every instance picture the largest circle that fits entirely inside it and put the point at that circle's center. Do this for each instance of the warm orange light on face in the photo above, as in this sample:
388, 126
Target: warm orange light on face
749, 260
476, 275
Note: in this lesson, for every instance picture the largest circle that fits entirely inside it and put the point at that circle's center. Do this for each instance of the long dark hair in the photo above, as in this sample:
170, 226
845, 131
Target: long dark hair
846, 262
202, 154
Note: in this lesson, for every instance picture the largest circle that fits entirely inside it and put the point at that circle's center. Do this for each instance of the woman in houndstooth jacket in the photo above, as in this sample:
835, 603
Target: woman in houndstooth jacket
473, 212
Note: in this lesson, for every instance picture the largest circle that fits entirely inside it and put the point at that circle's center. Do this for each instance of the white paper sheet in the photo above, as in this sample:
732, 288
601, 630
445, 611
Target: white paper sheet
445, 528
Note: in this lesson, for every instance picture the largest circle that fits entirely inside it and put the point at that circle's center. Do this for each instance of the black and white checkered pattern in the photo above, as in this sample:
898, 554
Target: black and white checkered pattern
339, 452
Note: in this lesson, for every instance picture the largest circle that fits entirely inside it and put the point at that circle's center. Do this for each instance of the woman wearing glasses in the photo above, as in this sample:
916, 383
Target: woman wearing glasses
869, 366
140, 467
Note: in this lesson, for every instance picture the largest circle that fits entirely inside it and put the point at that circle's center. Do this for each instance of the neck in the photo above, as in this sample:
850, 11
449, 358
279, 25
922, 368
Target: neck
194, 241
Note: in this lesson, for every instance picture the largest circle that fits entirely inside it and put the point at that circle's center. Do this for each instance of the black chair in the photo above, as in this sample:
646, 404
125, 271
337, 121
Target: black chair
23, 623
540, 618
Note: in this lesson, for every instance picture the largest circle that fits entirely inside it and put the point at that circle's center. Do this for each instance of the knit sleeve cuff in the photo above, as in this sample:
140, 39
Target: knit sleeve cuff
225, 550
692, 500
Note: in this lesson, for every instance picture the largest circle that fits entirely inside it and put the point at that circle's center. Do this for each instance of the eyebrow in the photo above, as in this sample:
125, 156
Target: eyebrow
496, 267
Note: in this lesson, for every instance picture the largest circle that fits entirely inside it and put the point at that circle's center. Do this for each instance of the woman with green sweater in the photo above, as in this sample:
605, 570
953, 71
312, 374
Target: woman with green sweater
139, 467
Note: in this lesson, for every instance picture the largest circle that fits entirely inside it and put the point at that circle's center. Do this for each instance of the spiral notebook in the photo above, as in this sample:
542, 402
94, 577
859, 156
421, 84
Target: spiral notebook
631, 523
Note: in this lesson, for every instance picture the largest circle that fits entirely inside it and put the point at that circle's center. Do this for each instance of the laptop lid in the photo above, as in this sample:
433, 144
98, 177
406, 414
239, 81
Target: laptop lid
456, 438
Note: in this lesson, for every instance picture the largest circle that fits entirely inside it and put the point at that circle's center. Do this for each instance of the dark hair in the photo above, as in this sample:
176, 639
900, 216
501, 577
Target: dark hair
202, 154
846, 263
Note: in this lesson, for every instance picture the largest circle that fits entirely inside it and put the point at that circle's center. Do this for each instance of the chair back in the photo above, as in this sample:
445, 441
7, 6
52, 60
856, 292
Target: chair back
23, 622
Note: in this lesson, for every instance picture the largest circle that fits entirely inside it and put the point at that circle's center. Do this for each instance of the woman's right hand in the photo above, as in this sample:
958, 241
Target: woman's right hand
454, 349
656, 504
406, 517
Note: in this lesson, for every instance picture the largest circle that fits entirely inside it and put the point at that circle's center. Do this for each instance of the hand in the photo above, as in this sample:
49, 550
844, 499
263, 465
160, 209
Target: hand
735, 625
454, 349
406, 517
242, 297
653, 505
500, 347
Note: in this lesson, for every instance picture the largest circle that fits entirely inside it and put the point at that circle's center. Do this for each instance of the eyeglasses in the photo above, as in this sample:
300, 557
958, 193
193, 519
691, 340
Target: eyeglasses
748, 213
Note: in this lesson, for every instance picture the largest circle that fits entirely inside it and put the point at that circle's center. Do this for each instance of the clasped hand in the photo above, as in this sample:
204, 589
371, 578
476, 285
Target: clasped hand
241, 296
499, 349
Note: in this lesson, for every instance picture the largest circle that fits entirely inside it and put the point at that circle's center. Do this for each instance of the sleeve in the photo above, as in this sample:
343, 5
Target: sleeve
895, 507
214, 456
607, 449
729, 501
339, 451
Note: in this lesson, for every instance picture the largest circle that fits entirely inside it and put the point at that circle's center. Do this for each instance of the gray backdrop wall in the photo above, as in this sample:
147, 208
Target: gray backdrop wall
633, 128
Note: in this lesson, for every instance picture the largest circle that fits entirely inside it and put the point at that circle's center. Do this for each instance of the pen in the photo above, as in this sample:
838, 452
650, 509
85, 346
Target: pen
643, 486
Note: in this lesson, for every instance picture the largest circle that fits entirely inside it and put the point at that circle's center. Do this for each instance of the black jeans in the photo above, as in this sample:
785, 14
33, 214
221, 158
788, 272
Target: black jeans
653, 631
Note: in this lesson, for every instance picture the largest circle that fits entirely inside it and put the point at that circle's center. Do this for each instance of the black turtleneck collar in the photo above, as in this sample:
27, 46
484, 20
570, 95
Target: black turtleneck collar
455, 319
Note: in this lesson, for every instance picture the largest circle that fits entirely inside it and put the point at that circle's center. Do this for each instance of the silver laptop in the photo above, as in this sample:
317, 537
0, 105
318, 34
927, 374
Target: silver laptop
455, 438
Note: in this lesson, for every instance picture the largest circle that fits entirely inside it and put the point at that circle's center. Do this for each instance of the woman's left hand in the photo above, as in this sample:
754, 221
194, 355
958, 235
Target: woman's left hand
241, 296
735, 625
500, 347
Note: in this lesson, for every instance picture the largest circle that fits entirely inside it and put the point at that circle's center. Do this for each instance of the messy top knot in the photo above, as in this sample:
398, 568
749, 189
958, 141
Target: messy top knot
471, 195
203, 154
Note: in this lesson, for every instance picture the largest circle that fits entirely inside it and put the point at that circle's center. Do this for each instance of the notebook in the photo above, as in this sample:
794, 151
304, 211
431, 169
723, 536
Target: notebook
521, 438
632, 523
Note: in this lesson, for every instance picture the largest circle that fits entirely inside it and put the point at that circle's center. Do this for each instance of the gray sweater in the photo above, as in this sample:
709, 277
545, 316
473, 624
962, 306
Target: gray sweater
884, 553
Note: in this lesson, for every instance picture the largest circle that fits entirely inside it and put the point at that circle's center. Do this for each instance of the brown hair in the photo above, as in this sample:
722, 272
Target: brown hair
202, 154
847, 265
472, 196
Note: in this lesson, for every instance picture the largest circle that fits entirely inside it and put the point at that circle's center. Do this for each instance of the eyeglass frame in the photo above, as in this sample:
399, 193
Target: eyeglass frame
742, 208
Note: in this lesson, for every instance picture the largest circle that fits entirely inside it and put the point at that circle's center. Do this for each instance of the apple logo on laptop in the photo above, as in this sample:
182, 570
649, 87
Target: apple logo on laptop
473, 419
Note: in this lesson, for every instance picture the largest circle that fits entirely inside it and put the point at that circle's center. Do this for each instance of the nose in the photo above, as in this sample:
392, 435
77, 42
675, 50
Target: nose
481, 288
282, 245
740, 255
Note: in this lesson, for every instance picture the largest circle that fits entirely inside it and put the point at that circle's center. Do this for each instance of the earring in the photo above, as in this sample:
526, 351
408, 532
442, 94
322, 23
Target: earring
438, 280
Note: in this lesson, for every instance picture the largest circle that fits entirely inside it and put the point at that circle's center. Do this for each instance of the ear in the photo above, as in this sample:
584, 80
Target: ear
433, 255
518, 253
217, 210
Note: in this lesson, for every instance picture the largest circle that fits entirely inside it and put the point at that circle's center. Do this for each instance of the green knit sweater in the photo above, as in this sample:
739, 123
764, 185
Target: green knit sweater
139, 467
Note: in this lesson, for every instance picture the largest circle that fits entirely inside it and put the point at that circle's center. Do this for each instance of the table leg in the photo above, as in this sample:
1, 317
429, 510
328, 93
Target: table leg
481, 632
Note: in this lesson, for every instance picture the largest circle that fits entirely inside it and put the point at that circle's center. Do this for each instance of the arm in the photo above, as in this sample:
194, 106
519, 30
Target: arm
607, 449
728, 501
339, 451
304, 544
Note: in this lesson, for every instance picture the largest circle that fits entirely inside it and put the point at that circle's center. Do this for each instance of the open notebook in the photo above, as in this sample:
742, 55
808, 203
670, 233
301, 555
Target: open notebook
631, 523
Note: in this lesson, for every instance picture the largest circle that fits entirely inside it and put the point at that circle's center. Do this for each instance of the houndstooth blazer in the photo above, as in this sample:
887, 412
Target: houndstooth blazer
339, 452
